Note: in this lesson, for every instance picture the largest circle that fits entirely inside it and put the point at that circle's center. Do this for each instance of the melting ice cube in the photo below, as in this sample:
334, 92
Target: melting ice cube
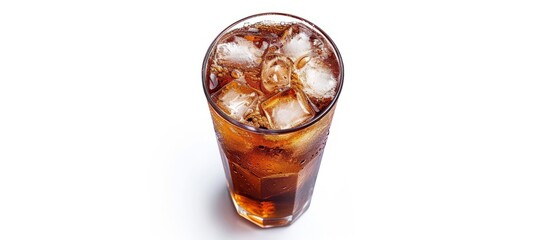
318, 80
296, 45
237, 99
239, 53
276, 72
287, 109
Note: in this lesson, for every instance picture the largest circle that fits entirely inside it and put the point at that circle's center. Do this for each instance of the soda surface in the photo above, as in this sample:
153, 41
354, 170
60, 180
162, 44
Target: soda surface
275, 76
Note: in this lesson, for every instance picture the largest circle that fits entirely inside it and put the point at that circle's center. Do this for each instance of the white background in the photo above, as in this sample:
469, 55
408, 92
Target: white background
441, 130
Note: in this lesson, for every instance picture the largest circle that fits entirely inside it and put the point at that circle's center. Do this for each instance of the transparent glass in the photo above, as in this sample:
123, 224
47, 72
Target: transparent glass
271, 174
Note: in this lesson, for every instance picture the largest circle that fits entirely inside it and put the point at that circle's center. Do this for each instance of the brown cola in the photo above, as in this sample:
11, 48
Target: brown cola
272, 81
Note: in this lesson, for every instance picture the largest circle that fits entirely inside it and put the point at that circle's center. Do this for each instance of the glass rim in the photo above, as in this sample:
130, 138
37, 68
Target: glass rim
250, 128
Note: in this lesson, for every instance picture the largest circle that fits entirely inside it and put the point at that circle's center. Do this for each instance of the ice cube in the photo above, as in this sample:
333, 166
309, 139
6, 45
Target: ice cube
239, 53
276, 72
237, 100
296, 45
213, 81
287, 109
318, 80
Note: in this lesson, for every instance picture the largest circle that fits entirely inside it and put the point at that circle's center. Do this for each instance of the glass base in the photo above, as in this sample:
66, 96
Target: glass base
269, 222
